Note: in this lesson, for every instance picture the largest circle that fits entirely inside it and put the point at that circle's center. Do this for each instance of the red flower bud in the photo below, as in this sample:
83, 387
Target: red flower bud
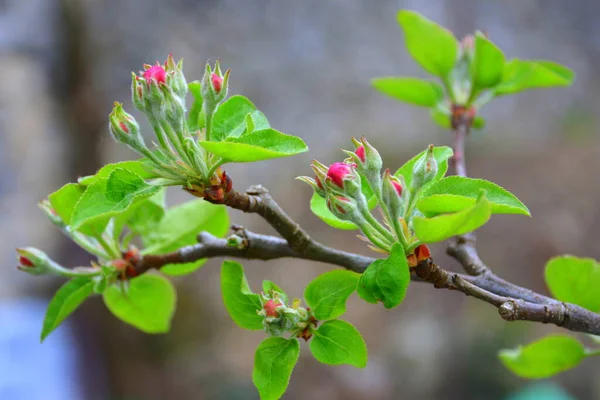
26, 262
157, 73
360, 152
217, 82
398, 187
270, 308
124, 127
337, 172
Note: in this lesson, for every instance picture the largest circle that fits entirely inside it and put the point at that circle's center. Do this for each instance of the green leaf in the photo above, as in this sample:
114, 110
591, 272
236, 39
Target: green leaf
195, 112
274, 361
259, 121
268, 286
338, 342
544, 358
411, 90
386, 280
109, 197
488, 63
318, 206
63, 201
239, 300
521, 75
148, 303
257, 146
441, 155
180, 226
229, 120
442, 227
478, 122
144, 216
456, 193
137, 167
574, 280
327, 294
434, 47
65, 301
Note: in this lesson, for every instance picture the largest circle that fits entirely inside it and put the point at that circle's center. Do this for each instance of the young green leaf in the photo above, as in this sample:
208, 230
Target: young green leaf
180, 227
488, 63
137, 167
195, 112
257, 146
107, 198
456, 193
63, 201
442, 227
338, 342
148, 303
544, 358
521, 75
229, 121
327, 294
65, 301
318, 206
441, 155
574, 280
144, 216
268, 286
434, 47
386, 280
411, 90
259, 121
239, 300
274, 361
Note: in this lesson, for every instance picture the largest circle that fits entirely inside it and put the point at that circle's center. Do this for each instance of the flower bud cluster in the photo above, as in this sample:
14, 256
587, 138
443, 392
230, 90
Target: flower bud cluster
159, 92
342, 185
278, 318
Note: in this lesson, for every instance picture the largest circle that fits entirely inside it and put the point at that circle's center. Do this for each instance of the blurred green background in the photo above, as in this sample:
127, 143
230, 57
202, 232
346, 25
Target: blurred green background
307, 65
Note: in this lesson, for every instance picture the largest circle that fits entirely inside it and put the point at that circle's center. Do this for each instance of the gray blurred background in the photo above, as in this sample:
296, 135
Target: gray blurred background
307, 65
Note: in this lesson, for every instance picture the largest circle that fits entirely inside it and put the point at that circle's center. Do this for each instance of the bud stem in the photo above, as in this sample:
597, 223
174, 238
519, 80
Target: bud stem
361, 205
112, 249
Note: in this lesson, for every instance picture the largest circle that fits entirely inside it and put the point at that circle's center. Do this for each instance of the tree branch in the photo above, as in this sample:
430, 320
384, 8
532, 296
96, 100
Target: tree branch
513, 302
568, 316
253, 246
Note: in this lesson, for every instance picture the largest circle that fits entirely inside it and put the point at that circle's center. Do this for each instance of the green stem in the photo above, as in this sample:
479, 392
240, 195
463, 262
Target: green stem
73, 273
212, 169
412, 202
112, 252
85, 244
175, 141
160, 134
361, 203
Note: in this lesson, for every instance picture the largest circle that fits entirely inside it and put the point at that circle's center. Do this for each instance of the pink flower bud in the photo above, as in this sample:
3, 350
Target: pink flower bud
157, 73
270, 308
217, 82
26, 262
337, 172
360, 152
398, 187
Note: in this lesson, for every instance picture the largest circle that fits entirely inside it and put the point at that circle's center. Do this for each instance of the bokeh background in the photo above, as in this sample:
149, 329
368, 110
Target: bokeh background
307, 65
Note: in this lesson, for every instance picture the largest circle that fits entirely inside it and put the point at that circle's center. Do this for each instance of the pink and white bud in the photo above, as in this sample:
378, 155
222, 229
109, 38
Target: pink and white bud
155, 73
392, 191
338, 173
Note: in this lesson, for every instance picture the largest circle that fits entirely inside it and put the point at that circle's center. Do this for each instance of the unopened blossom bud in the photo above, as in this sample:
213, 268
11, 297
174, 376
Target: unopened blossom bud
424, 170
217, 82
342, 207
155, 73
46, 207
177, 80
34, 261
368, 162
342, 178
392, 190
214, 87
271, 307
124, 128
